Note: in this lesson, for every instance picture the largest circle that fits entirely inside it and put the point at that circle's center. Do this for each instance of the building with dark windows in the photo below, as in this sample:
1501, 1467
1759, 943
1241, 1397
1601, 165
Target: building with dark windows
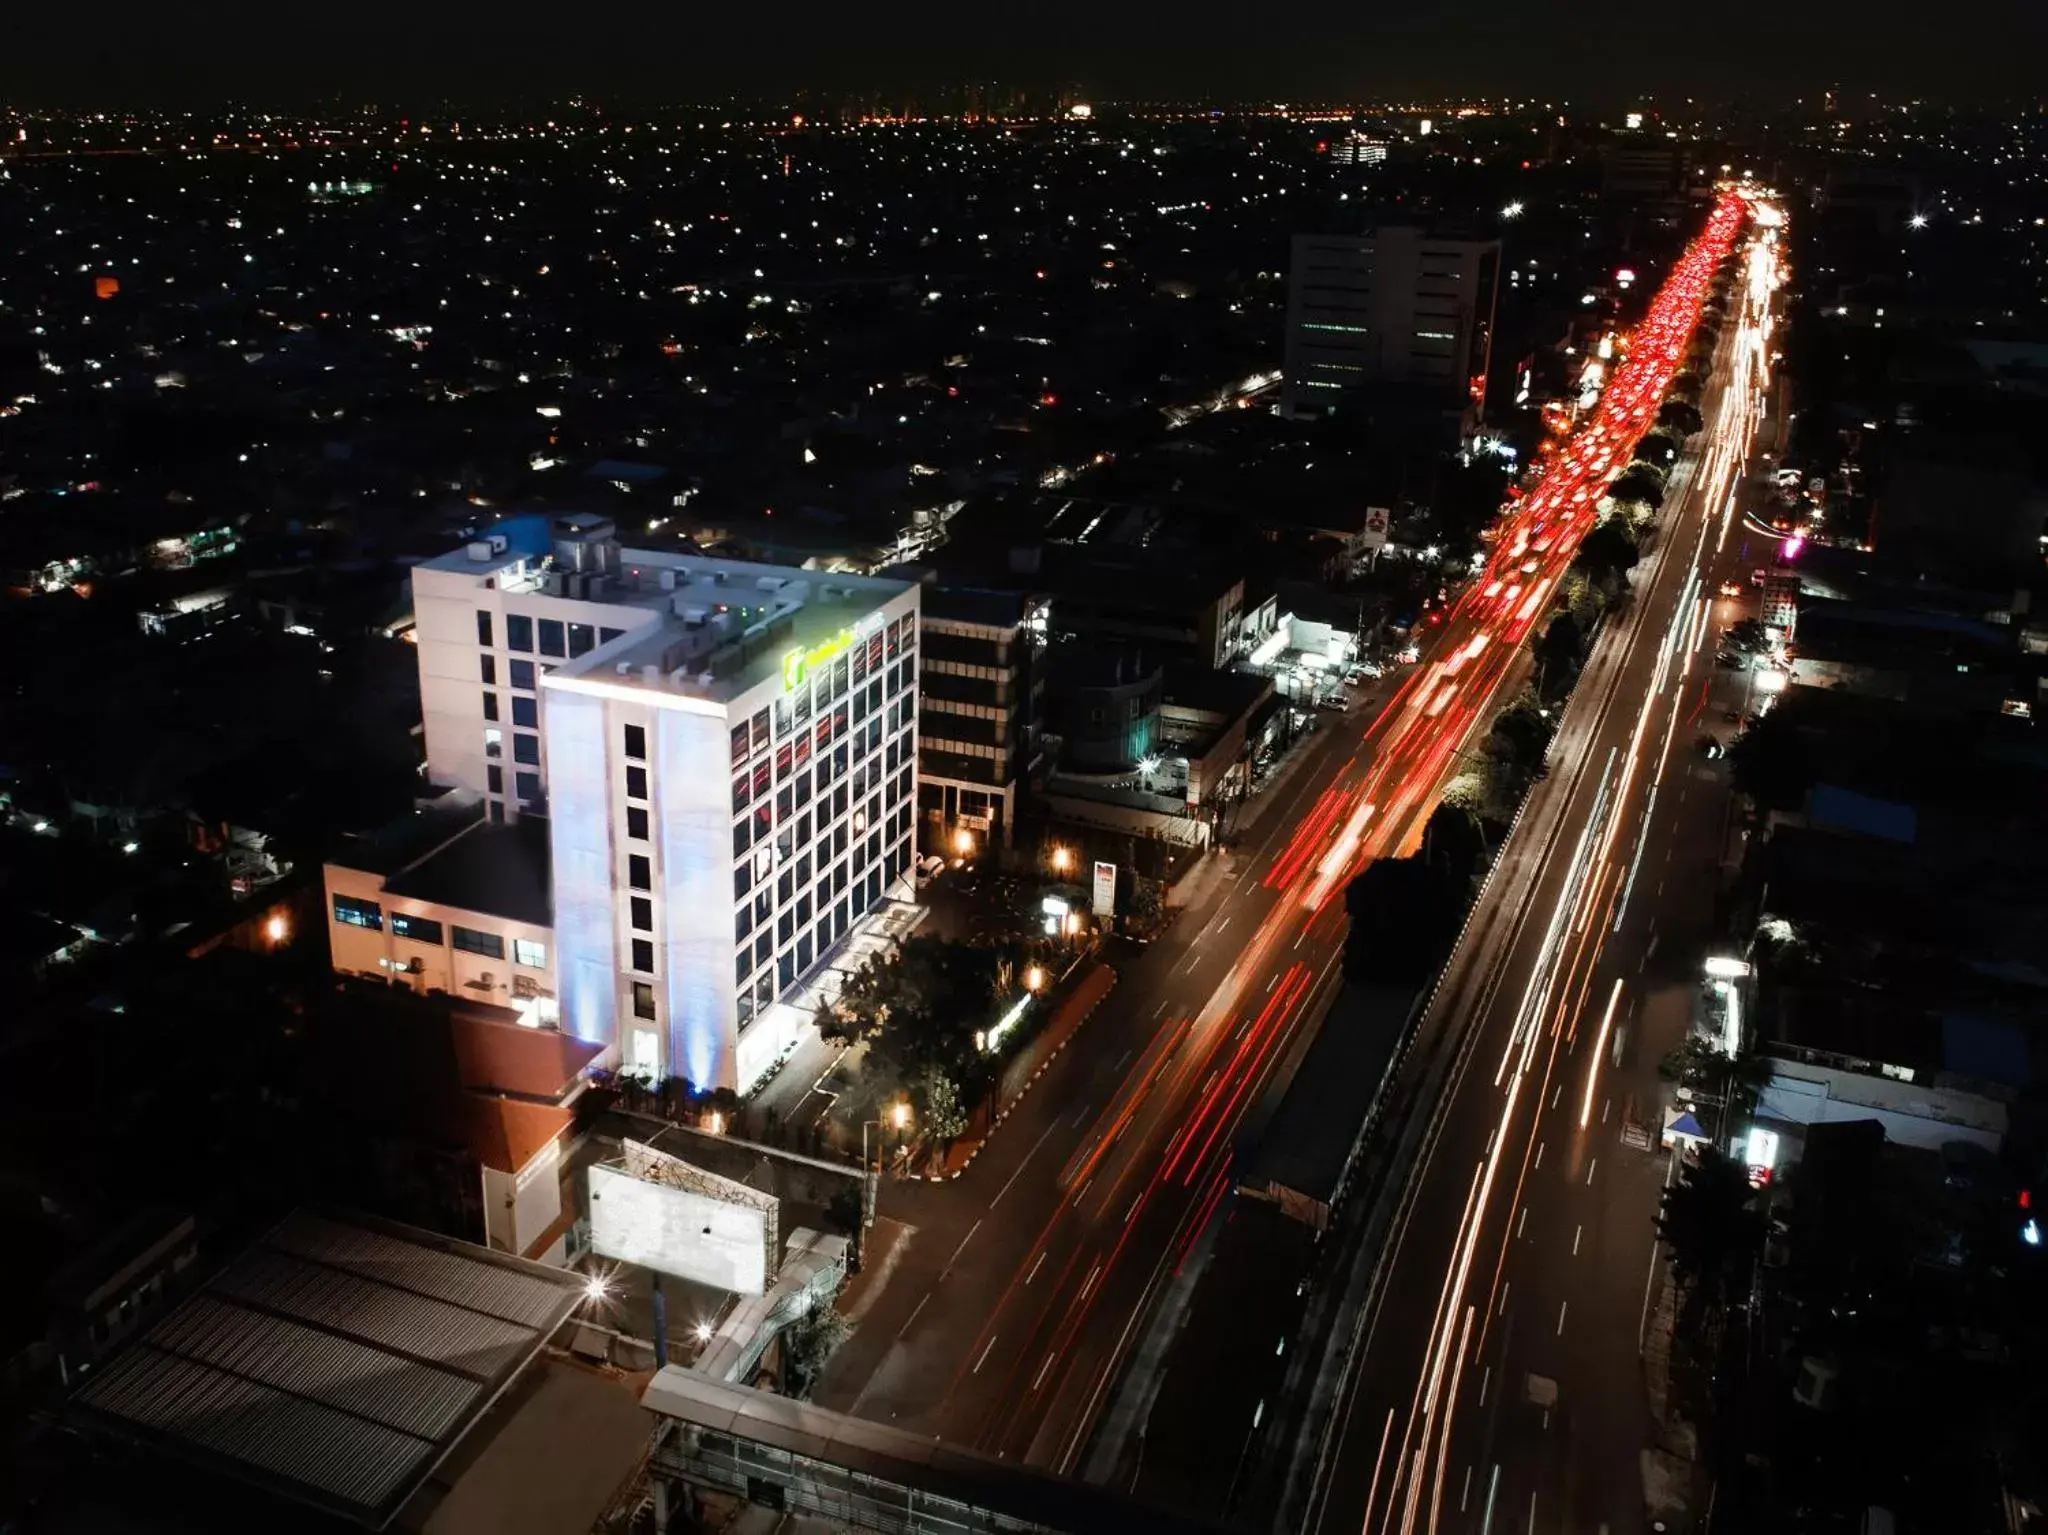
1396, 307
980, 712
718, 762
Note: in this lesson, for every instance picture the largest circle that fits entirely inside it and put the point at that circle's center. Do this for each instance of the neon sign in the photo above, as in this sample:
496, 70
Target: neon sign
797, 664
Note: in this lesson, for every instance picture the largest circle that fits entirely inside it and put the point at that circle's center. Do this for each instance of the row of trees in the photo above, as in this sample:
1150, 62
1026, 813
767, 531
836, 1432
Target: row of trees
920, 1011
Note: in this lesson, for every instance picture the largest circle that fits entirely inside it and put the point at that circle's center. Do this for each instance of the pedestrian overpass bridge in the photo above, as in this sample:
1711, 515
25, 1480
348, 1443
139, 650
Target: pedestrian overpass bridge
713, 1436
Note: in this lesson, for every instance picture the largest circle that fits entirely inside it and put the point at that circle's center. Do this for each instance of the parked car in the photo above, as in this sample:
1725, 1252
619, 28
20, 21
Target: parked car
929, 869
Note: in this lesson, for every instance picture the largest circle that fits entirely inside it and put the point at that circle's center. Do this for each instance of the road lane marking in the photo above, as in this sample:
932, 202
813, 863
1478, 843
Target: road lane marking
1020, 1170
1557, 1095
984, 1356
1539, 1153
1606, 1107
1649, 1280
1492, 1487
1039, 1379
1159, 1012
1484, 1381
1576, 1234
1522, 1222
913, 1315
963, 1245
1589, 1171
1562, 1306
1036, 1267
1465, 1493
1504, 1297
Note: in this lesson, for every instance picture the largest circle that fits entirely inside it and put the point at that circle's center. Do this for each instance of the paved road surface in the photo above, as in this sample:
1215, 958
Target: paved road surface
1022, 1286
1499, 1386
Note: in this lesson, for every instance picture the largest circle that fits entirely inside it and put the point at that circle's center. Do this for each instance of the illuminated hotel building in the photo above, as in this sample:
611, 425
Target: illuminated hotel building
726, 757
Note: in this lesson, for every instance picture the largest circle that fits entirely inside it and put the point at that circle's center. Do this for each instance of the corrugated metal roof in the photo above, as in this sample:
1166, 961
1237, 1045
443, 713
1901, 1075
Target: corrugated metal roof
335, 1362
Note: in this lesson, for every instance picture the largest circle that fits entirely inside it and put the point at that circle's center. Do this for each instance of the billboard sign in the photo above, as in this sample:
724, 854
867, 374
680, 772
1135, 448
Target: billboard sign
1104, 904
661, 1213
1376, 520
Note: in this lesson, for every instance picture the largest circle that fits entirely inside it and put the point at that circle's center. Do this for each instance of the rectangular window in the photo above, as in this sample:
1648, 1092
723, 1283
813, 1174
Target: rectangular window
764, 948
643, 955
636, 742
494, 742
636, 822
636, 783
552, 642
639, 872
582, 640
483, 627
742, 925
606, 636
359, 913
527, 787
491, 706
758, 727
497, 812
522, 675
742, 880
526, 712
643, 914
742, 835
470, 941
519, 633
526, 748
494, 778
487, 668
528, 952
418, 929
643, 1000
739, 743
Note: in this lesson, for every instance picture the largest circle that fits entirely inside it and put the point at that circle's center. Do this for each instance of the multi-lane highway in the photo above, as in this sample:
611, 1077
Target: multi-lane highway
1018, 1292
1495, 1382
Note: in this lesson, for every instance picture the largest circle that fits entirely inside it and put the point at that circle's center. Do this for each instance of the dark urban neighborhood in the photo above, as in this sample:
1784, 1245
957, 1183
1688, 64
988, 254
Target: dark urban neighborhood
1029, 807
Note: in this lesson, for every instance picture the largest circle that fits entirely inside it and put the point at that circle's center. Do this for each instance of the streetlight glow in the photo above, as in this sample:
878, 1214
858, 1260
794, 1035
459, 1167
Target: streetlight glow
899, 1115
963, 842
1512, 211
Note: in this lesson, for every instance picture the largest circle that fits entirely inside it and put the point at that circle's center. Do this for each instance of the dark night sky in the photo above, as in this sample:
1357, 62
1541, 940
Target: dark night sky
116, 51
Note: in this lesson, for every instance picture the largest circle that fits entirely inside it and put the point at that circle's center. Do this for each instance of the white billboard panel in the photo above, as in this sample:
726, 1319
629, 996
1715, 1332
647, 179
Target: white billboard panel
1104, 904
1376, 520
674, 1231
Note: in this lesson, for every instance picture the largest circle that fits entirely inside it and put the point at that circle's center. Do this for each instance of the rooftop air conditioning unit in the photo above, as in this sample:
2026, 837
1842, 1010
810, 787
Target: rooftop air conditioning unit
480, 550
497, 542
625, 669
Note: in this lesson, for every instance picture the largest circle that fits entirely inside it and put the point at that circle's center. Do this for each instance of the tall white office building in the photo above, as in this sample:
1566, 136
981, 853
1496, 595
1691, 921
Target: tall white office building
726, 755
1395, 306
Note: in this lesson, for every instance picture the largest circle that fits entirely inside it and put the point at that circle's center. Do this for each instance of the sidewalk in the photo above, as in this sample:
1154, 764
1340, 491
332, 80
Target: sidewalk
788, 1090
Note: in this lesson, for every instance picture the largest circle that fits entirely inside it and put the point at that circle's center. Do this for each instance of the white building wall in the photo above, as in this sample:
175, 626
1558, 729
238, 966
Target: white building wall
453, 670
1924, 1117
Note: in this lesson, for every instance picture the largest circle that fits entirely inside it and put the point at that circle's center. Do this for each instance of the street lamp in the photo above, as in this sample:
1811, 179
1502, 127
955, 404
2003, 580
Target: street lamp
1034, 978
1063, 859
899, 1120
963, 842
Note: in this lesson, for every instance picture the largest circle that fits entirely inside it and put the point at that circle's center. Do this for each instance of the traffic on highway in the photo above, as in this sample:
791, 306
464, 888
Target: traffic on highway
1017, 1342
